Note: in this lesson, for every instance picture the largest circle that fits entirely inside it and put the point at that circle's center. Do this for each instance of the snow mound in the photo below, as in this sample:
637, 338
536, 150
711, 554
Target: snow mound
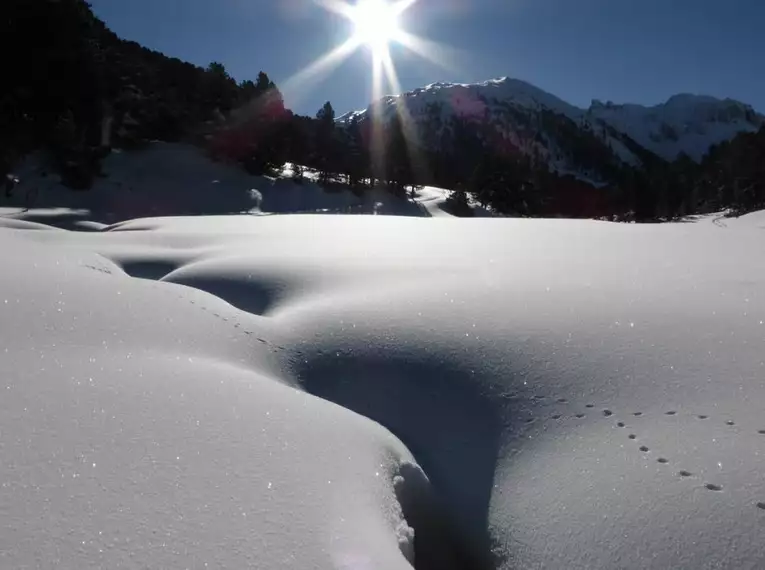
143, 425
363, 392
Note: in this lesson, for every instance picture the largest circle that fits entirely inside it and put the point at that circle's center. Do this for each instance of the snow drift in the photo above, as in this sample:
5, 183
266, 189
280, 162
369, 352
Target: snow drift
373, 392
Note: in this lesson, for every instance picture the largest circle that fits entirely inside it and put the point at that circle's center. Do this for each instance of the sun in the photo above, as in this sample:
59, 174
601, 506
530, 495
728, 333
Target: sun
377, 23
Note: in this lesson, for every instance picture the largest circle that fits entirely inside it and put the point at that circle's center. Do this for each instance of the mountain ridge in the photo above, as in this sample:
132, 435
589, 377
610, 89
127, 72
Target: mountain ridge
684, 124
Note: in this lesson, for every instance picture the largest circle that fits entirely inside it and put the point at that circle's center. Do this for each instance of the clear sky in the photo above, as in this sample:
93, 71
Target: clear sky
638, 51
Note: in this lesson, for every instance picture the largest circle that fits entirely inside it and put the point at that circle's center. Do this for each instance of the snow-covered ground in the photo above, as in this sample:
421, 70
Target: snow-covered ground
368, 392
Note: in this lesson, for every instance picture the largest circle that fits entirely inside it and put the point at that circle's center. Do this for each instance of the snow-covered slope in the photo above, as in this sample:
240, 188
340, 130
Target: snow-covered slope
688, 124
510, 114
222, 392
516, 110
175, 179
467, 98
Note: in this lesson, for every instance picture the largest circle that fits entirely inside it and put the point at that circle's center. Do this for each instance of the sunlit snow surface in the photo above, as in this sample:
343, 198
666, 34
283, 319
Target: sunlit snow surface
579, 394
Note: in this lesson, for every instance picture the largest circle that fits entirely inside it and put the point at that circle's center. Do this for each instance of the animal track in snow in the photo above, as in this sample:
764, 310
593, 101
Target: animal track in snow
98, 269
606, 412
236, 324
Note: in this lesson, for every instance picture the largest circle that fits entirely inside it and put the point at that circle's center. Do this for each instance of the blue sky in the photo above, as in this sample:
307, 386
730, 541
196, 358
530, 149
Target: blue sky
639, 51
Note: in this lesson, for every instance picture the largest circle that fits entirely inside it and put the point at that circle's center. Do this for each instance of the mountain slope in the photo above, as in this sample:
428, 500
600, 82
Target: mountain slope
688, 124
462, 97
509, 116
552, 131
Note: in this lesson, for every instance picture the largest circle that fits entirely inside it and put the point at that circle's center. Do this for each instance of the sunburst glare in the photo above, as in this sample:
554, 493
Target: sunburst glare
377, 25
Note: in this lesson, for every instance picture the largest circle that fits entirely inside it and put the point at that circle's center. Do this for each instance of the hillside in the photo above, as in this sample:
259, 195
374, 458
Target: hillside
174, 179
80, 90
524, 151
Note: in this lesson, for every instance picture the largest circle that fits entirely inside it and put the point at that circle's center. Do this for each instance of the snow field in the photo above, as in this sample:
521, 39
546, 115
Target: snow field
576, 394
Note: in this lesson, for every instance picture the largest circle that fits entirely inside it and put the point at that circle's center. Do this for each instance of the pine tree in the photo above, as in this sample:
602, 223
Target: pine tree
458, 203
398, 167
354, 155
325, 143
263, 84
248, 91
218, 69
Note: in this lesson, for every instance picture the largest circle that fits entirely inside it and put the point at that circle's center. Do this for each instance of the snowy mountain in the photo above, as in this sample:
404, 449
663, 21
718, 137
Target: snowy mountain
547, 128
688, 124
463, 99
